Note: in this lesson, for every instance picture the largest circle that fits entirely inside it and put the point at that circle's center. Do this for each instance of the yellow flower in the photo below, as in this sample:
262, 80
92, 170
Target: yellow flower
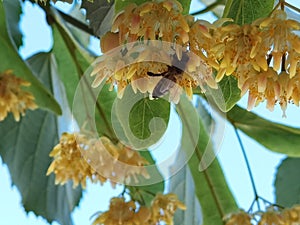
271, 218
292, 215
12, 97
163, 208
119, 213
78, 157
69, 163
262, 86
152, 21
239, 218
206, 41
240, 47
153, 38
115, 161
280, 39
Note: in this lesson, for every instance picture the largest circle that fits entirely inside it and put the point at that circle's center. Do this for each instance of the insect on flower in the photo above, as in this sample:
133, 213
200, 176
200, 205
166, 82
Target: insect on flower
169, 77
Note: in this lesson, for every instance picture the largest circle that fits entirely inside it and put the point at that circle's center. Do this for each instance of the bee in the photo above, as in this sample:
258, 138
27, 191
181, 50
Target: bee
167, 81
169, 77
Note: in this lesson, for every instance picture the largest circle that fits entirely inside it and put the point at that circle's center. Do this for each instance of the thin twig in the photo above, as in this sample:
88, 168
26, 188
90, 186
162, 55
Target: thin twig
292, 7
78, 24
208, 8
248, 166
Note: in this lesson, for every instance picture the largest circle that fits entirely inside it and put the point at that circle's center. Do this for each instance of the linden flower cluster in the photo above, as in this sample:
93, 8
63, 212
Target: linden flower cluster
162, 209
288, 216
263, 56
73, 161
116, 162
152, 38
12, 97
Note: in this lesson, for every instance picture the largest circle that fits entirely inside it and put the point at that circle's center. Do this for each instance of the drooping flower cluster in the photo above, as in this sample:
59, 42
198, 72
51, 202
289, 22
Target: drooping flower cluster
239, 218
258, 55
120, 212
116, 162
12, 97
77, 158
153, 38
263, 57
273, 216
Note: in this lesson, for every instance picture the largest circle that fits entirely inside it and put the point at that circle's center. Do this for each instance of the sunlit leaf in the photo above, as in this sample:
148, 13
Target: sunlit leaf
183, 186
246, 11
227, 95
25, 148
143, 112
211, 187
287, 183
10, 60
13, 11
139, 121
274, 136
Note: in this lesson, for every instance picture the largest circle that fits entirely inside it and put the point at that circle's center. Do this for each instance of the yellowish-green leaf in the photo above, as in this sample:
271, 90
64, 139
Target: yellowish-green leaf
227, 95
246, 11
211, 187
274, 136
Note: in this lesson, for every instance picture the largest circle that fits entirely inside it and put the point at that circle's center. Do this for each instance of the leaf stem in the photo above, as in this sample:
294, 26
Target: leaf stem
248, 168
292, 7
78, 24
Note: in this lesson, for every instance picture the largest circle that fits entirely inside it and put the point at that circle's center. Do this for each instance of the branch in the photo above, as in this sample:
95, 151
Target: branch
80, 25
209, 8
69, 19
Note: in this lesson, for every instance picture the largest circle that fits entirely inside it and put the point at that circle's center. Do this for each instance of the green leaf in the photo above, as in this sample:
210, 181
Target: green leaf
100, 13
287, 183
227, 95
13, 11
121, 4
10, 60
74, 70
246, 11
211, 187
143, 112
274, 136
25, 148
139, 121
144, 194
182, 184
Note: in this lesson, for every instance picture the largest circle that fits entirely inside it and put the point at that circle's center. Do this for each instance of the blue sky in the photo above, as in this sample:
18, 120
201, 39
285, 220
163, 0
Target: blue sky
37, 37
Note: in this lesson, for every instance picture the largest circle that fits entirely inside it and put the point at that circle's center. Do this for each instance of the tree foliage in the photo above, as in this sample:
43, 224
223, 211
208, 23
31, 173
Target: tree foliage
71, 85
